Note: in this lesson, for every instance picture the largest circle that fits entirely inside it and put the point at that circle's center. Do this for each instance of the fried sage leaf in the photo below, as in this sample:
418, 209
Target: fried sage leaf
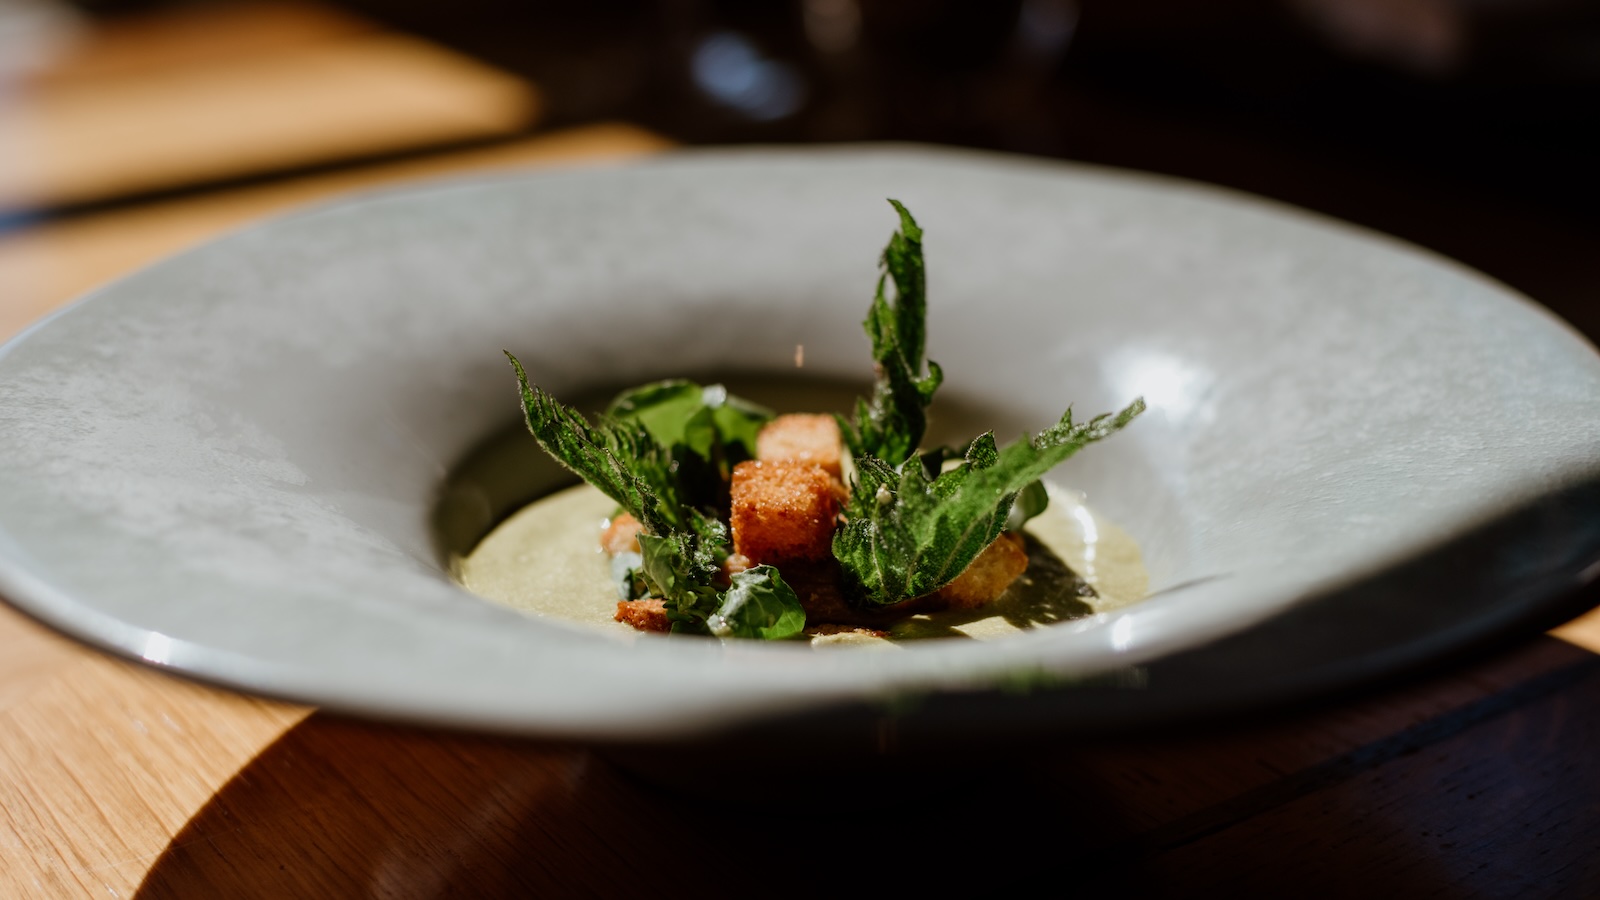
620, 458
636, 455
681, 567
909, 534
891, 424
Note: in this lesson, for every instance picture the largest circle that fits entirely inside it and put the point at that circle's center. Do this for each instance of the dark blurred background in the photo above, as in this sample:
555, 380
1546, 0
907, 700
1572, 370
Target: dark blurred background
1463, 125
1468, 126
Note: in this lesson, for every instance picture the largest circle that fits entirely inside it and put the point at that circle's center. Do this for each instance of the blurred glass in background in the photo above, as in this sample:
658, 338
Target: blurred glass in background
1501, 91
1465, 125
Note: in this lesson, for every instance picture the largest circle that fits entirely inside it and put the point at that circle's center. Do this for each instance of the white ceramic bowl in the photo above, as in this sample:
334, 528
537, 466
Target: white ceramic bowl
226, 463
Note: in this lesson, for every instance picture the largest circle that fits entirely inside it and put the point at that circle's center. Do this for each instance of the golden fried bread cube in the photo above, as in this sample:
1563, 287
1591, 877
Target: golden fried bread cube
988, 576
622, 535
649, 614
802, 437
782, 511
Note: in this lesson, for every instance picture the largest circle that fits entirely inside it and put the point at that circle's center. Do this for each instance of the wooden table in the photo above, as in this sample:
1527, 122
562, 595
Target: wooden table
118, 780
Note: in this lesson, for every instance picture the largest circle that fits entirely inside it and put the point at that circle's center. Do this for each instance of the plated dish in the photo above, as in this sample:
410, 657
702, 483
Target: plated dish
237, 464
729, 520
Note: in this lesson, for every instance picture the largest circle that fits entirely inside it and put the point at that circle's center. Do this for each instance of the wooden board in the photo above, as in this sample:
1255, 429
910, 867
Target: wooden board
253, 92
46, 265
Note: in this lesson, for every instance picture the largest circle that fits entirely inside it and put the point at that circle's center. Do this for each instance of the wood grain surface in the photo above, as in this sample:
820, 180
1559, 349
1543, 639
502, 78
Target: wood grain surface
50, 263
274, 88
103, 762
118, 780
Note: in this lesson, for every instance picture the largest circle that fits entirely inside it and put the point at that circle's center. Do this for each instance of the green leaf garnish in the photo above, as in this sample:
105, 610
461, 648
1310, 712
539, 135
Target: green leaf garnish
643, 454
738, 422
911, 527
619, 458
890, 426
678, 411
663, 452
758, 605
673, 412
682, 567
705, 430
1031, 501
908, 534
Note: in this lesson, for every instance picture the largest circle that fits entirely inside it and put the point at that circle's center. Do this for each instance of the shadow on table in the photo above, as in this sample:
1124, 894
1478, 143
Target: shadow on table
337, 808
1468, 782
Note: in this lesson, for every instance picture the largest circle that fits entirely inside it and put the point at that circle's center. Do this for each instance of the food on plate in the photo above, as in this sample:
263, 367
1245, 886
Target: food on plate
734, 522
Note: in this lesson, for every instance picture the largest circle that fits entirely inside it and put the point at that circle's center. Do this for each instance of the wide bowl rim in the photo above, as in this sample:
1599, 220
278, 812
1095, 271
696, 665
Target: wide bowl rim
1171, 628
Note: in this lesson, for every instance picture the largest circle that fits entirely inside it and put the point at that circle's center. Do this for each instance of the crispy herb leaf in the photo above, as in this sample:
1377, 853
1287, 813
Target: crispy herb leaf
908, 534
621, 459
646, 453
681, 567
891, 424
758, 605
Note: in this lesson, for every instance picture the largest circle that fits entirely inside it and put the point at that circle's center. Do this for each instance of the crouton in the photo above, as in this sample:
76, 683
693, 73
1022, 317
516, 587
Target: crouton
988, 576
782, 511
649, 614
622, 535
801, 437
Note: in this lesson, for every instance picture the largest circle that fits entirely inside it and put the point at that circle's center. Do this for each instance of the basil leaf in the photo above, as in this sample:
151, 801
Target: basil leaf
908, 535
758, 605
704, 430
673, 412
891, 424
738, 423
679, 411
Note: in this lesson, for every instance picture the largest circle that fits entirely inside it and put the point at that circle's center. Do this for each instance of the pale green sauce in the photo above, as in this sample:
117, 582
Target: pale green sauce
546, 560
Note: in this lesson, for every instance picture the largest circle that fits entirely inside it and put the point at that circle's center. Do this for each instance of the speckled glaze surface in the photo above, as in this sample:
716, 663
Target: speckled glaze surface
225, 464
